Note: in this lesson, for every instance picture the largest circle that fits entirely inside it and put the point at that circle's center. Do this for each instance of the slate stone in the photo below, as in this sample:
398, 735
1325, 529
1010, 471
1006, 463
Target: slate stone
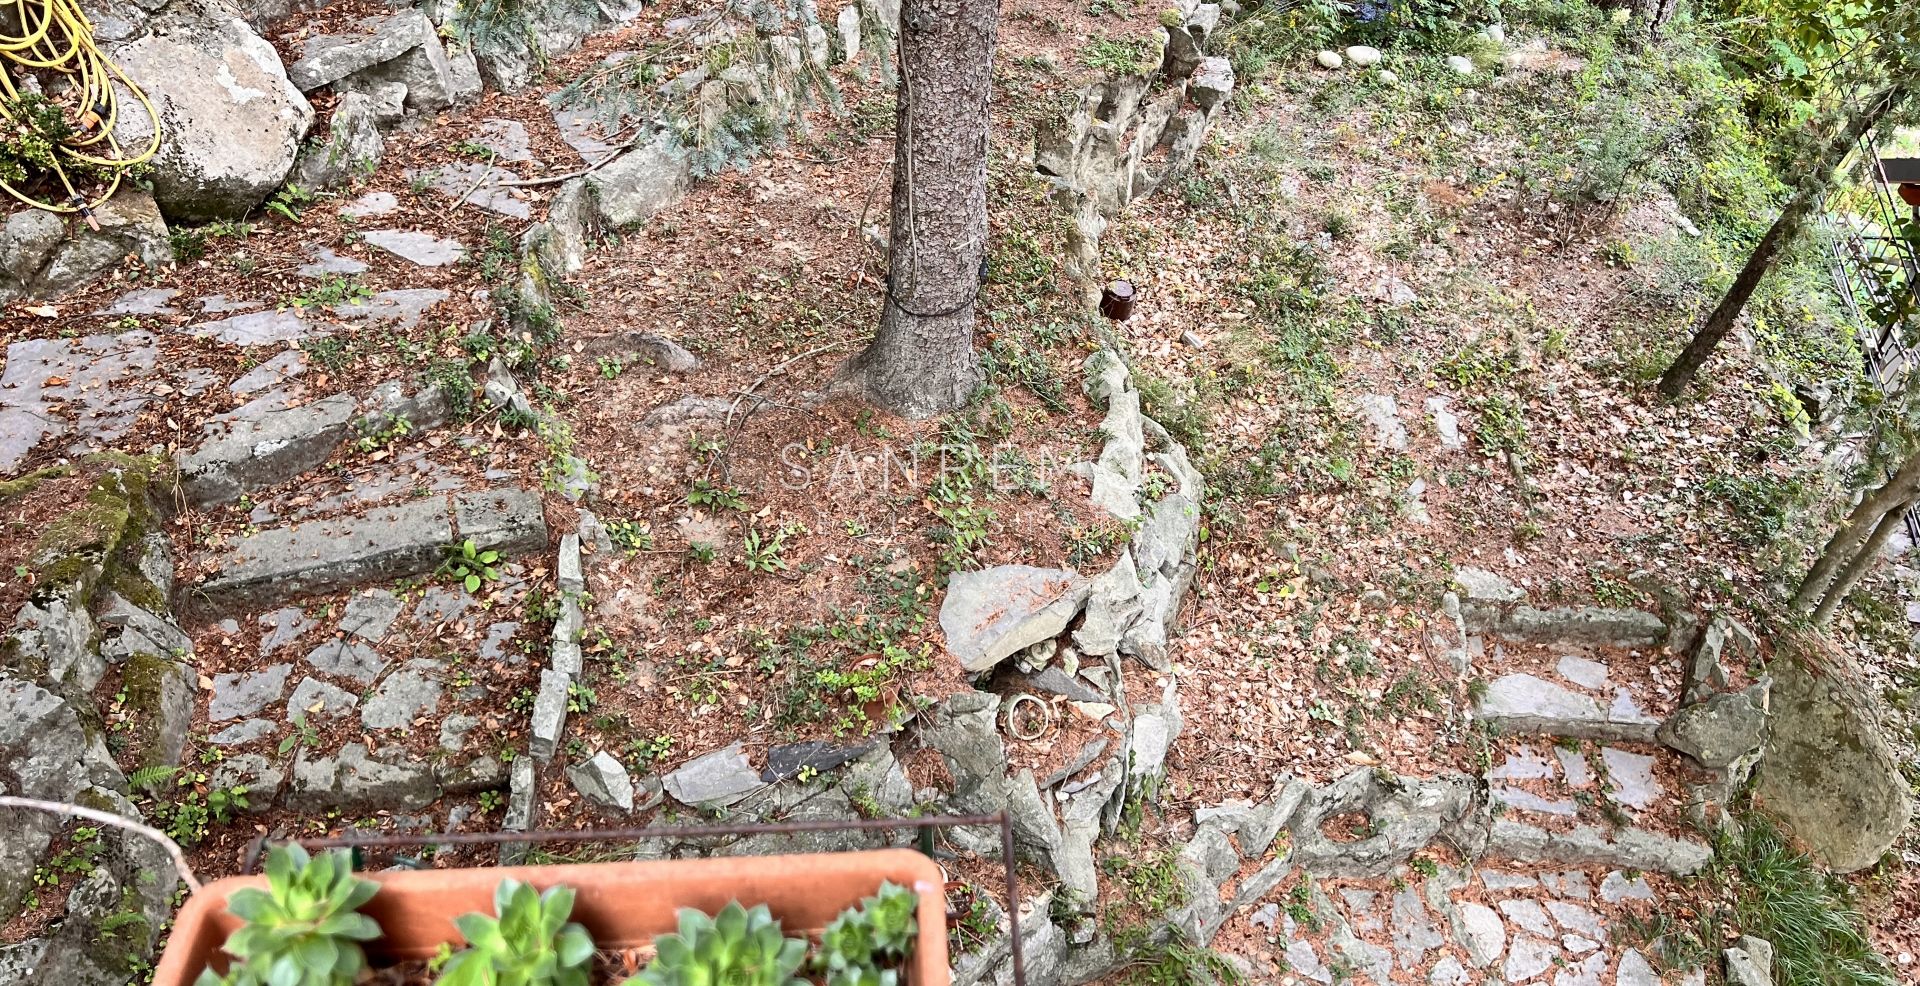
327, 262
347, 659
1498, 880
1571, 884
1057, 682
385, 544
1635, 970
1525, 800
1721, 731
242, 693
477, 185
422, 249
511, 521
786, 761
369, 614
52, 388
1583, 672
1448, 972
371, 205
439, 604
1521, 766
403, 696
401, 308
1632, 848
717, 779
354, 779
493, 647
1530, 915
603, 781
246, 454
549, 713
1482, 934
244, 732
1632, 774
1412, 929
1574, 768
642, 181
1528, 957
261, 328
1518, 695
1586, 972
1616, 887
507, 139
1578, 918
333, 702
993, 613
1589, 625
1382, 413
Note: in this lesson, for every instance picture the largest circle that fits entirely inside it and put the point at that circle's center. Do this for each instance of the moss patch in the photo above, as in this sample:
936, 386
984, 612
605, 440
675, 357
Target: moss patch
116, 512
13, 488
143, 679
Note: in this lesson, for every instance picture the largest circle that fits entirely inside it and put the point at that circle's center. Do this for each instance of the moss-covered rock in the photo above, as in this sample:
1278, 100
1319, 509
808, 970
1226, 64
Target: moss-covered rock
116, 512
159, 691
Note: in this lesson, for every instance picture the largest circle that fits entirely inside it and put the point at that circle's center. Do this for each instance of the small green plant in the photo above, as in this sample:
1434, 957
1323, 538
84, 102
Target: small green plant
305, 929
866, 944
737, 947
763, 554
333, 289
705, 494
580, 698
470, 566
530, 943
633, 535
289, 201
611, 367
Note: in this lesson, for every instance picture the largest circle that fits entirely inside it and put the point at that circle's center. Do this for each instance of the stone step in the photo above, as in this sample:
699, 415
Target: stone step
383, 544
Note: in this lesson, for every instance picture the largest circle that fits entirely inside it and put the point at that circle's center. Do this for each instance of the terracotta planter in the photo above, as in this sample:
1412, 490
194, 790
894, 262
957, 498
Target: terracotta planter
622, 904
1910, 193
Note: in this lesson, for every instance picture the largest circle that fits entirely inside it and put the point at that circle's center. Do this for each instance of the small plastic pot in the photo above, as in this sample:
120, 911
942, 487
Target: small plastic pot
623, 905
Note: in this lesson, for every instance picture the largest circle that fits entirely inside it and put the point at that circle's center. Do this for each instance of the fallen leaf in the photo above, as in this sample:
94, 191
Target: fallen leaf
44, 311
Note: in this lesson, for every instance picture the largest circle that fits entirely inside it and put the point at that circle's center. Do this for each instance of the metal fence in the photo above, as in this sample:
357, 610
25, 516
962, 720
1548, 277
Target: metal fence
1877, 273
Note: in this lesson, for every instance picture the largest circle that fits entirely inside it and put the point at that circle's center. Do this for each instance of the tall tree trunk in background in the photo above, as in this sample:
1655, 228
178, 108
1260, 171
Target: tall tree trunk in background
1852, 549
1812, 191
1651, 17
921, 361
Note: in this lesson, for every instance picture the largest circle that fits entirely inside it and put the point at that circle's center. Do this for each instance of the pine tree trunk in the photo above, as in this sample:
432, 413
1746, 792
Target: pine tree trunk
1847, 545
1861, 561
921, 361
1812, 191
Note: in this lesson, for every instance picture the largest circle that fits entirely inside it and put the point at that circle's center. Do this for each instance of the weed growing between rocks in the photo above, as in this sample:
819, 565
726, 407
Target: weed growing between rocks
1765, 887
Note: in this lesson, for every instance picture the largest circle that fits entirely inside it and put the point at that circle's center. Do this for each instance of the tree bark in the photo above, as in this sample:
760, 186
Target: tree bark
1862, 560
921, 361
1808, 196
1861, 536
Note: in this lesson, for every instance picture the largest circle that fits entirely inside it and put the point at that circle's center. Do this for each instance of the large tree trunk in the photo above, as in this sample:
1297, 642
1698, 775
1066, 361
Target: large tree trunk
1851, 550
1808, 196
921, 361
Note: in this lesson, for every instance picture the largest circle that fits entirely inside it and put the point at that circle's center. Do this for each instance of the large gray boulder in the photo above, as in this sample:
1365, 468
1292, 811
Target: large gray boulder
1828, 772
43, 255
230, 121
990, 614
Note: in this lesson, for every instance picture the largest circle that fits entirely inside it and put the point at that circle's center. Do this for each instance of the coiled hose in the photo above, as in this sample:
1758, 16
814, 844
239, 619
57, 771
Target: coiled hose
56, 36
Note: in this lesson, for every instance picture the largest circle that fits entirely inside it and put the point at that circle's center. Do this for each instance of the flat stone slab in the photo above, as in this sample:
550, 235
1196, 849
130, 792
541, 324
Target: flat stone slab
1525, 704
1382, 413
720, 778
402, 308
604, 781
80, 387
507, 139
347, 659
382, 545
1591, 625
478, 185
314, 700
990, 614
423, 249
371, 205
1629, 848
326, 262
260, 328
144, 301
242, 693
403, 696
249, 453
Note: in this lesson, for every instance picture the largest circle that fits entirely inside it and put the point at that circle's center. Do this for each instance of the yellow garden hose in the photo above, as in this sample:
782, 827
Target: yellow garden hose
56, 36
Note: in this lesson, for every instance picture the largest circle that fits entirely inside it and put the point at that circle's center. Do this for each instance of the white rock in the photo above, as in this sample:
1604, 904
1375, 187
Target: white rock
1460, 64
1363, 56
1387, 77
1328, 59
1497, 33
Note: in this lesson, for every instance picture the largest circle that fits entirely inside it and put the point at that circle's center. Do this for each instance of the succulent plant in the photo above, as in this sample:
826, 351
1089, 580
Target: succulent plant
305, 929
530, 943
737, 947
864, 945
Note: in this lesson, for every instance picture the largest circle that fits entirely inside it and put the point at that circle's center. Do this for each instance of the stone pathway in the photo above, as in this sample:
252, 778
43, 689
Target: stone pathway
1487, 924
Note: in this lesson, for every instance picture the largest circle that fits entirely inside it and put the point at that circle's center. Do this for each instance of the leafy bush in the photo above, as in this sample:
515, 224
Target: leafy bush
305, 929
530, 943
737, 947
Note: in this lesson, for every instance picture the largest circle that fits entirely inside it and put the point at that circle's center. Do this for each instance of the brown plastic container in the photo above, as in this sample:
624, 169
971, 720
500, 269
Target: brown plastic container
622, 904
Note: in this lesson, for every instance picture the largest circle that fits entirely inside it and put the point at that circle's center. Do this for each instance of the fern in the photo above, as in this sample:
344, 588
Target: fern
148, 777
